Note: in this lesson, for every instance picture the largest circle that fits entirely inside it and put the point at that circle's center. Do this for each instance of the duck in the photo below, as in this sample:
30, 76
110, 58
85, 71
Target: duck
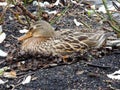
42, 38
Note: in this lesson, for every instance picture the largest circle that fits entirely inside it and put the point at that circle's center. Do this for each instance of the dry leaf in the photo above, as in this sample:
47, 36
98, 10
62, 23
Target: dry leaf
11, 74
3, 54
80, 72
11, 18
115, 75
74, 2
93, 7
54, 64
23, 31
52, 12
44, 4
1, 29
56, 3
77, 23
27, 80
3, 3
3, 69
2, 82
102, 8
2, 37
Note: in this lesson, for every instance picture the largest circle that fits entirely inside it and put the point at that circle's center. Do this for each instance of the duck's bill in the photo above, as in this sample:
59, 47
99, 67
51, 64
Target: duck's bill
26, 36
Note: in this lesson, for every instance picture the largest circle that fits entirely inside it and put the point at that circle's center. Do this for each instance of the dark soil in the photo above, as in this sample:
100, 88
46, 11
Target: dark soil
67, 77
81, 75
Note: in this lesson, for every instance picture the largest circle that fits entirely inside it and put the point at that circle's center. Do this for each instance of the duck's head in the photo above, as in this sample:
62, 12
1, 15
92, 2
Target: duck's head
40, 29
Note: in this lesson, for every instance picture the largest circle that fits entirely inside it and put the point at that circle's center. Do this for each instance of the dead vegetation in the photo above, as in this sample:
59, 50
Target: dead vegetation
16, 16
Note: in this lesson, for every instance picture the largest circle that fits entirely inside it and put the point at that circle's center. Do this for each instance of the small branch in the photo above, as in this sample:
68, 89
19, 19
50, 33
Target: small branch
16, 14
3, 13
99, 66
57, 18
85, 24
106, 8
26, 12
111, 21
114, 27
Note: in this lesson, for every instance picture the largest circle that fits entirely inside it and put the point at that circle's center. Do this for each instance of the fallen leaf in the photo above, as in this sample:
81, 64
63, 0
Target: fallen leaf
3, 3
35, 3
80, 72
102, 8
11, 18
2, 82
77, 23
54, 64
52, 12
115, 75
3, 54
2, 70
11, 74
34, 78
2, 37
90, 12
93, 7
56, 3
44, 4
74, 2
27, 80
23, 31
1, 29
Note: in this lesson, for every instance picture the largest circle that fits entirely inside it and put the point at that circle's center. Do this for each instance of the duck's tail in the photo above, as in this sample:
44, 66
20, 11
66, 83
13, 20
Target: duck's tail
103, 39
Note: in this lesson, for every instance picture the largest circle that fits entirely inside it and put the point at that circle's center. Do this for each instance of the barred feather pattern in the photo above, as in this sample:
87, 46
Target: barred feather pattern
65, 43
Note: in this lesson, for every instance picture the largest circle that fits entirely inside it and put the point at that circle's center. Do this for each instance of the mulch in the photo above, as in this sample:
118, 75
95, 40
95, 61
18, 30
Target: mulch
80, 75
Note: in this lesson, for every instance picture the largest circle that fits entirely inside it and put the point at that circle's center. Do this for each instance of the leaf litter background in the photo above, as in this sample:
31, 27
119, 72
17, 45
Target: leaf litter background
81, 75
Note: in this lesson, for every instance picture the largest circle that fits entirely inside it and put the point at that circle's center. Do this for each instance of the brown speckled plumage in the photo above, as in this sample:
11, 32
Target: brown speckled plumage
44, 40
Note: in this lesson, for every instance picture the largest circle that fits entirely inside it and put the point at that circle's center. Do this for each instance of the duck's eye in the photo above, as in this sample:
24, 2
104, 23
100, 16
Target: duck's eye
39, 25
31, 29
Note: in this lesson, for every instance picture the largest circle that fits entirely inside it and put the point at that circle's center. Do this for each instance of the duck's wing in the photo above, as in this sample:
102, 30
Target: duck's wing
72, 42
68, 43
97, 39
79, 41
91, 39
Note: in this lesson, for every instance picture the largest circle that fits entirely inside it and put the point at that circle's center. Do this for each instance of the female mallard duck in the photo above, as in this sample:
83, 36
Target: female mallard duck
42, 39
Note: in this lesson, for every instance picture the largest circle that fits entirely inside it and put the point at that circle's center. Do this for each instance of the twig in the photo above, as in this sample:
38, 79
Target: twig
64, 11
106, 8
16, 14
3, 13
114, 27
26, 12
111, 21
86, 25
1, 62
99, 66
39, 11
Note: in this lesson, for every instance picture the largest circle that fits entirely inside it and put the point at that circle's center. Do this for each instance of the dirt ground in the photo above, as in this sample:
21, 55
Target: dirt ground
81, 75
